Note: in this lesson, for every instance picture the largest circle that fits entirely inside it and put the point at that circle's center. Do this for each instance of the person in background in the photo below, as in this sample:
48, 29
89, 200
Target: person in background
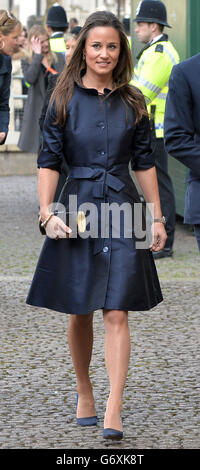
17, 85
76, 30
73, 22
10, 29
23, 39
40, 61
126, 25
57, 25
20, 53
71, 40
182, 132
151, 76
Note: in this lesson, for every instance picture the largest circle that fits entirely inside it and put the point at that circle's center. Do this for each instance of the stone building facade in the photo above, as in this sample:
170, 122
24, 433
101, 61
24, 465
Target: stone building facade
74, 8
81, 9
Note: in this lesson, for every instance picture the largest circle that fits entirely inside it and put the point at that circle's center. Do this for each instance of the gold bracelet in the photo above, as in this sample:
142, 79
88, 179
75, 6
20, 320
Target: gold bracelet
43, 224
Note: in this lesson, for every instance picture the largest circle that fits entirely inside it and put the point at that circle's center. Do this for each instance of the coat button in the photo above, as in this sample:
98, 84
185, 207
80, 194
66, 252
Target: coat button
105, 249
102, 125
102, 153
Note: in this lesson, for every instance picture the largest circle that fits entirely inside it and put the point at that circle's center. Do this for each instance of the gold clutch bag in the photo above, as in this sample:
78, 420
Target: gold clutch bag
78, 217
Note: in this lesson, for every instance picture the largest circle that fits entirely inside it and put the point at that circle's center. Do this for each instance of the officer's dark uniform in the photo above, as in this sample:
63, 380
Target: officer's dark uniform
57, 21
155, 63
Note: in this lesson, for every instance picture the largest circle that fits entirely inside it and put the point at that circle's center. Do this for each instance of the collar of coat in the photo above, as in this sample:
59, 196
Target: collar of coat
93, 91
163, 38
57, 34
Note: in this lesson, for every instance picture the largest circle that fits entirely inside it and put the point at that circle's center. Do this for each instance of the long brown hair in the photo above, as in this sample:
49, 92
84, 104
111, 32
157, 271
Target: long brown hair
122, 73
8, 22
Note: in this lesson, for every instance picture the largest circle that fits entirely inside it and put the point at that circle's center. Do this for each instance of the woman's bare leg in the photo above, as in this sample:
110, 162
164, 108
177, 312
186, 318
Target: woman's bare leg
117, 355
80, 339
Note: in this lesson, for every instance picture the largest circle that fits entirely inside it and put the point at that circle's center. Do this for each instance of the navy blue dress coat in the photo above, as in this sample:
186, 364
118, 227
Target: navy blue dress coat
5, 79
182, 129
77, 275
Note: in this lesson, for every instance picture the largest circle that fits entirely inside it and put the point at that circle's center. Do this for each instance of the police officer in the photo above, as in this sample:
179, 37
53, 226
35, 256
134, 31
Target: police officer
151, 76
57, 25
126, 25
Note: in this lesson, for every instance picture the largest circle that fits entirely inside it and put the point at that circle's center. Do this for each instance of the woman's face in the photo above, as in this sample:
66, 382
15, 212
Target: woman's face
44, 41
22, 40
10, 41
70, 46
102, 49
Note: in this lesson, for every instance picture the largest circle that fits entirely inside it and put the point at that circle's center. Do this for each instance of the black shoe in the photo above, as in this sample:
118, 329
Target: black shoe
165, 253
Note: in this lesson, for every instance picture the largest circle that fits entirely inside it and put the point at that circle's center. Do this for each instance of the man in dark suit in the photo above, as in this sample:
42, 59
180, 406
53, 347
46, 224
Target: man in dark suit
151, 76
182, 131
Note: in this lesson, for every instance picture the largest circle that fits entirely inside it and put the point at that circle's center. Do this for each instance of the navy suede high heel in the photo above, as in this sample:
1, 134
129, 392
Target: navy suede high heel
90, 421
109, 433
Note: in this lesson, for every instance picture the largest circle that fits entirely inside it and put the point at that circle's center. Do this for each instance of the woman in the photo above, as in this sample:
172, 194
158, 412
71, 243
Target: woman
17, 86
99, 122
10, 29
40, 61
23, 39
70, 46
70, 41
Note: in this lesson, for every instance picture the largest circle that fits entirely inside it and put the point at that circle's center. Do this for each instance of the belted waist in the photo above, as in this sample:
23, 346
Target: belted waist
101, 176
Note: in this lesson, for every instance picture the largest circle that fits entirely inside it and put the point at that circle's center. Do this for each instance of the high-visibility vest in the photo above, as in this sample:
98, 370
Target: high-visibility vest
57, 44
129, 41
151, 76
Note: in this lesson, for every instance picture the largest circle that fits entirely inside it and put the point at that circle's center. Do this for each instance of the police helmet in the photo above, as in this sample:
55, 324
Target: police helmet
152, 11
57, 17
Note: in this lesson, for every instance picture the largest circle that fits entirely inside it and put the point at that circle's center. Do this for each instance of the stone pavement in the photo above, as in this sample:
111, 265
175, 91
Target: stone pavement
37, 383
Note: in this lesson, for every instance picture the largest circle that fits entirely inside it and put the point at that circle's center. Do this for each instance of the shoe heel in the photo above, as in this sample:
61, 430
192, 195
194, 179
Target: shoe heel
90, 421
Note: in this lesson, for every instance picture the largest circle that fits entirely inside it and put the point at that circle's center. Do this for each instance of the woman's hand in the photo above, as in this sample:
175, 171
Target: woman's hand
2, 136
36, 45
56, 228
159, 236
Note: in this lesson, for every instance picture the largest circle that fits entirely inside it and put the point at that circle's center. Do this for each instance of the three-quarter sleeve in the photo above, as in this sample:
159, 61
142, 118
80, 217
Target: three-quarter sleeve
142, 155
51, 155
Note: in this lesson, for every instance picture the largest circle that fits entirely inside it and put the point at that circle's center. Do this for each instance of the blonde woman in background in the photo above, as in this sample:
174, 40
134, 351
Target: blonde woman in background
70, 40
36, 66
10, 29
